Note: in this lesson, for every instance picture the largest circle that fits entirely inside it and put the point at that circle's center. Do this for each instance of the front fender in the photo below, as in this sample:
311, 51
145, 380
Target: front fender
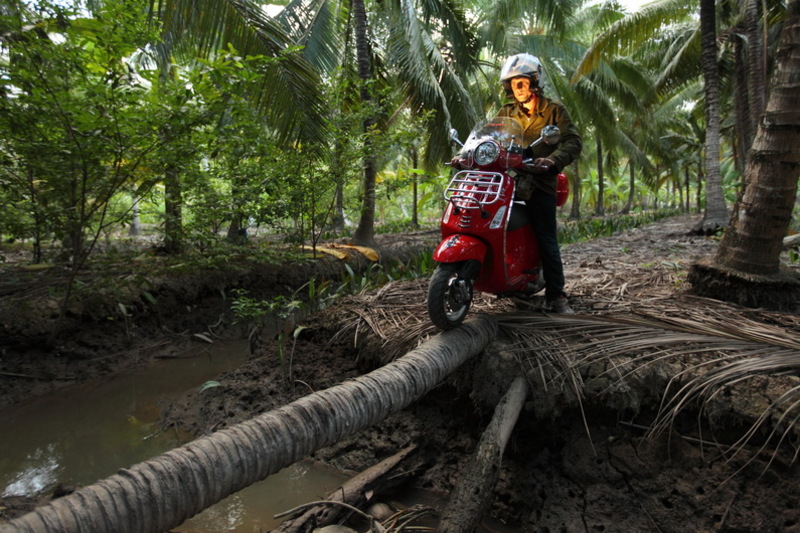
459, 247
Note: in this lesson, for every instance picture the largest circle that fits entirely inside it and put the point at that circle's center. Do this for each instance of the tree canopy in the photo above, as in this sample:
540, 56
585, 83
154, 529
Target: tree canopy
202, 120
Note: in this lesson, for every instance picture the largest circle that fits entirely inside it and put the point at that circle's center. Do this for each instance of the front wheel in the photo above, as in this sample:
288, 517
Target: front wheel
449, 296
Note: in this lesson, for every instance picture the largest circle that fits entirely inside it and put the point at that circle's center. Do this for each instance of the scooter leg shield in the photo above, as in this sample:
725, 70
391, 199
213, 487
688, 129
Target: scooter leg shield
459, 247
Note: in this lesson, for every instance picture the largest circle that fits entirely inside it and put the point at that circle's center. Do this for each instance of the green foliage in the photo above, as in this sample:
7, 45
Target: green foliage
592, 228
248, 310
97, 112
75, 124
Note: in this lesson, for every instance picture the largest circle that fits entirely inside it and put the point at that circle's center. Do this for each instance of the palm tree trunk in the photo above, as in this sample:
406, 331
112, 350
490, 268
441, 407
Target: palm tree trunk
762, 215
631, 189
700, 181
756, 62
365, 232
716, 213
337, 168
415, 188
600, 208
173, 202
687, 185
742, 104
575, 187
162, 493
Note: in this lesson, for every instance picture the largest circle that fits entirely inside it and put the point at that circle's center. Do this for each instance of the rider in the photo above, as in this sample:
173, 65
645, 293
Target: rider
521, 77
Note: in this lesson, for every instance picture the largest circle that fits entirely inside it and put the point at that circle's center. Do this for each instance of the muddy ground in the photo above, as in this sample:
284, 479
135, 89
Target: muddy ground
568, 467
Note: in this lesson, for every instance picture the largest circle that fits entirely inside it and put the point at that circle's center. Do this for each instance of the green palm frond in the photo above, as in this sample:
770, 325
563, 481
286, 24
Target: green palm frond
634, 85
430, 80
315, 26
502, 25
288, 97
683, 66
585, 96
636, 150
453, 24
693, 349
205, 27
629, 34
507, 22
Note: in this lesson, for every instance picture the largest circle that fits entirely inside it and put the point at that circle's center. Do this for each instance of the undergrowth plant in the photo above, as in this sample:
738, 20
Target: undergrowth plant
591, 228
314, 295
256, 314
378, 275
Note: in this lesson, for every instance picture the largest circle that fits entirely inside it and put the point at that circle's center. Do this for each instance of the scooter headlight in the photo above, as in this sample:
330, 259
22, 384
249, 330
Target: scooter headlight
486, 153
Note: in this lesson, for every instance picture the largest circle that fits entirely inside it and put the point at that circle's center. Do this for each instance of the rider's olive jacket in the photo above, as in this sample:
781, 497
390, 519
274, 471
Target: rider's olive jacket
547, 112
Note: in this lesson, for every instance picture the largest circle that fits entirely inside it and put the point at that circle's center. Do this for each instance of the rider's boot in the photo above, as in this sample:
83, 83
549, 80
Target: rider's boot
561, 306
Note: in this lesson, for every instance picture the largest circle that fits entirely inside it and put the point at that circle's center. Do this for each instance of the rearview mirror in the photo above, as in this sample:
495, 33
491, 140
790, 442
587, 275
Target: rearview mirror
454, 137
551, 134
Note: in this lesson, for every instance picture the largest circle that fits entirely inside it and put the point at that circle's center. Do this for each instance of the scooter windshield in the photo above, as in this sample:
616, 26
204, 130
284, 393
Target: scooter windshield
506, 131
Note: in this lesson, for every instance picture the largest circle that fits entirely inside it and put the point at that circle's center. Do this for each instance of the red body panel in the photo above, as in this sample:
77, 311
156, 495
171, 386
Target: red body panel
509, 259
562, 189
459, 247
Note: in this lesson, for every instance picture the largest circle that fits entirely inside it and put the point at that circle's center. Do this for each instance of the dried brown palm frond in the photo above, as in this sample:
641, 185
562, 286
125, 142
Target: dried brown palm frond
394, 318
686, 350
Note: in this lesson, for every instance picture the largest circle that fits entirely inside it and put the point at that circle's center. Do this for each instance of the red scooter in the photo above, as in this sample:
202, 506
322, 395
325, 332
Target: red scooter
487, 243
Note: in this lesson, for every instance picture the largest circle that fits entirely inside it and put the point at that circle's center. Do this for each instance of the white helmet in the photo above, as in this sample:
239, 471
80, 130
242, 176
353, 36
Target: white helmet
521, 65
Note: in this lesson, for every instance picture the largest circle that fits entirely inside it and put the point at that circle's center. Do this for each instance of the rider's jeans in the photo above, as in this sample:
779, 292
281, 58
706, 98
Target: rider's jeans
542, 210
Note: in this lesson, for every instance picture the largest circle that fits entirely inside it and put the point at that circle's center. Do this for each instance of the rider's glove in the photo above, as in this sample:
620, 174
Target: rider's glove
543, 164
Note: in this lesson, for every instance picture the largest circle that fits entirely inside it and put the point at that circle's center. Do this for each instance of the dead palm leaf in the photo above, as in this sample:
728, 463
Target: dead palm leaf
695, 348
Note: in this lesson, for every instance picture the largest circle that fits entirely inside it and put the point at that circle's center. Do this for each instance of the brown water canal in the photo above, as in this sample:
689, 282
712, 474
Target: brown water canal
87, 432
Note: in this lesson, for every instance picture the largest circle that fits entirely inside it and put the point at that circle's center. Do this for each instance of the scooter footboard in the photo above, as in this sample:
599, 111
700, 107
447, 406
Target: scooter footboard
459, 247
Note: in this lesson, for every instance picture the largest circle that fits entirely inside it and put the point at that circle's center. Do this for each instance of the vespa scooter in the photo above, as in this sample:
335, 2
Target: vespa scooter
488, 243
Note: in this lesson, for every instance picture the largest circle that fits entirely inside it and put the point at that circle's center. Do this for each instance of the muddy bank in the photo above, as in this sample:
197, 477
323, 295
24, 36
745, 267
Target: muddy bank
125, 314
566, 468
588, 465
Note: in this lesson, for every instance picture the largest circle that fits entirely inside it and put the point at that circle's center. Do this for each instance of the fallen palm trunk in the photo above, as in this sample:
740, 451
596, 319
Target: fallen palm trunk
473, 492
162, 493
353, 491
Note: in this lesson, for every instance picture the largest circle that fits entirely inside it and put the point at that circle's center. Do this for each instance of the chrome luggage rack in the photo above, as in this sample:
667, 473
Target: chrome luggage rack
470, 189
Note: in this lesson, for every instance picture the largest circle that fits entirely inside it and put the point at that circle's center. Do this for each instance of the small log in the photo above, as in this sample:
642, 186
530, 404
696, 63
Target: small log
473, 492
354, 492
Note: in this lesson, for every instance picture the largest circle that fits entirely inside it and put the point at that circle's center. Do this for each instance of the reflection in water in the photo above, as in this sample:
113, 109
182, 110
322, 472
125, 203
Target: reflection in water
87, 432
252, 509
37, 472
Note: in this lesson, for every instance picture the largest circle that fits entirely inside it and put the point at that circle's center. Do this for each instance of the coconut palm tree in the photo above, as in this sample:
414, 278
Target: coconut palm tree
288, 96
618, 87
669, 26
426, 48
716, 212
750, 250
